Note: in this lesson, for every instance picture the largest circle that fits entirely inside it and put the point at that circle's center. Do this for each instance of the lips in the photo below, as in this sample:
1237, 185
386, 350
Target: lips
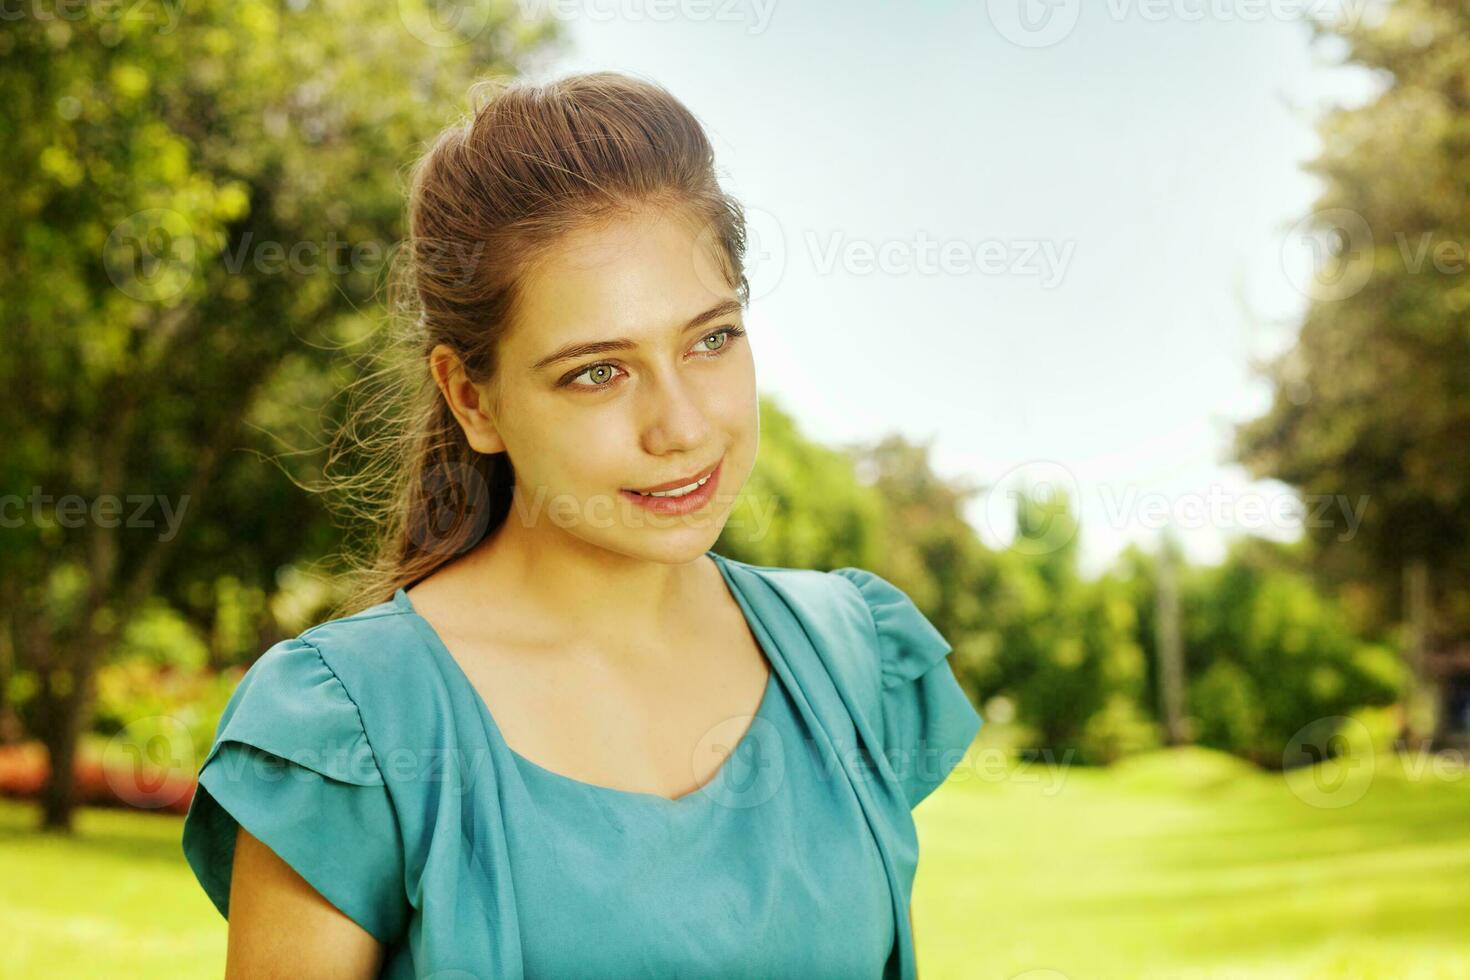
683, 481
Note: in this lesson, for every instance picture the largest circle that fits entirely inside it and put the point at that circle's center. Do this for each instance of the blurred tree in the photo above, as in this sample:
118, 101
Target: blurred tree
1269, 654
1169, 648
875, 505
1068, 649
198, 214
1373, 401
929, 549
803, 506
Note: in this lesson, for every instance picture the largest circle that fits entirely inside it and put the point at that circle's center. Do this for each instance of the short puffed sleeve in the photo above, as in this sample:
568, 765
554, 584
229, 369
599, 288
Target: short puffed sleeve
291, 764
928, 720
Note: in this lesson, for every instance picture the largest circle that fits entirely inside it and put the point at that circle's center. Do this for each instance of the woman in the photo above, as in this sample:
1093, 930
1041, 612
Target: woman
560, 736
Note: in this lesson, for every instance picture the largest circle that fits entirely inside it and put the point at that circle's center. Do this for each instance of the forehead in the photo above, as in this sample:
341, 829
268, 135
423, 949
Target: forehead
633, 276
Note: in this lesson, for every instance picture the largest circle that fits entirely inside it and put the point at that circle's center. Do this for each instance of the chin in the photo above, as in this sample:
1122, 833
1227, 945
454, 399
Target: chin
668, 546
680, 549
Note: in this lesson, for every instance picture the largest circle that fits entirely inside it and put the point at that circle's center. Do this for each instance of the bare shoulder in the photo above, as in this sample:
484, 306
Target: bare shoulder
280, 926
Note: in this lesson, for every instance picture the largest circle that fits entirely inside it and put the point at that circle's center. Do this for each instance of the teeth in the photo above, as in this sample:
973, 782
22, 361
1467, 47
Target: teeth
681, 491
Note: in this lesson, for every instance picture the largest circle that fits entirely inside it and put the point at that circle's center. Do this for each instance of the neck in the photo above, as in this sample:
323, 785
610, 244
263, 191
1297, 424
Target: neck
585, 593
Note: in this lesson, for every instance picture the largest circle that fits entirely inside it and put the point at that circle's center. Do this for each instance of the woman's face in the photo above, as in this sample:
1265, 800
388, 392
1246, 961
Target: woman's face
671, 393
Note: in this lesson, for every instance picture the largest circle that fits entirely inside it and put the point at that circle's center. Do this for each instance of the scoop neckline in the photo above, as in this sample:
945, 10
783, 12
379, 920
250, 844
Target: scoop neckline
704, 790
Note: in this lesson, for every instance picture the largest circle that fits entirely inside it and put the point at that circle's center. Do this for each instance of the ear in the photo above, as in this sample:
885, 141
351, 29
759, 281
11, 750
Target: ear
469, 402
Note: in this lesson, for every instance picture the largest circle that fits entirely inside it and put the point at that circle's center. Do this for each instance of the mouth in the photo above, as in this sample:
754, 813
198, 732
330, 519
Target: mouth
682, 486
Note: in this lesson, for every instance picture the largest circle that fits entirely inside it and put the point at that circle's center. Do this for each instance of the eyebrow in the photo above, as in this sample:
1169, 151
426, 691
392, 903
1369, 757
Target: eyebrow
571, 351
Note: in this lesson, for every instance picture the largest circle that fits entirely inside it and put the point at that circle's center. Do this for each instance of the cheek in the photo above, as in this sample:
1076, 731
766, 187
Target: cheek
734, 385
563, 444
740, 399
591, 446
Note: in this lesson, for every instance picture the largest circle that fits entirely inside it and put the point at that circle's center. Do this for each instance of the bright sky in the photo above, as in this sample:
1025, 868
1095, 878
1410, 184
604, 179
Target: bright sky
1053, 260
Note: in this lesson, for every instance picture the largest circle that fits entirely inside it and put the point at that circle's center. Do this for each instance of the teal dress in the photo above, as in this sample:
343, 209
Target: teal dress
360, 753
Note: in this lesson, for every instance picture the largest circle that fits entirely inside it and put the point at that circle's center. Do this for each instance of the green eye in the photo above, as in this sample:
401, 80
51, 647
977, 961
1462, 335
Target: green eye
603, 373
726, 334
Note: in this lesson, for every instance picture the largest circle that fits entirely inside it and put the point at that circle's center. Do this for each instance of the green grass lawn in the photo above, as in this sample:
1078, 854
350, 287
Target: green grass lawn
1184, 864
1190, 864
114, 900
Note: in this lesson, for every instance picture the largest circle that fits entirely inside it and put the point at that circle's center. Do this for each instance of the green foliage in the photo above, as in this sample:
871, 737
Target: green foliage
201, 211
1226, 707
1066, 648
1120, 728
1372, 403
139, 703
199, 214
1273, 655
802, 506
157, 634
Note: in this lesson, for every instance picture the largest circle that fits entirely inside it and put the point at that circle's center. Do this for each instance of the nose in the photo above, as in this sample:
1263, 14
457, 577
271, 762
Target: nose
674, 415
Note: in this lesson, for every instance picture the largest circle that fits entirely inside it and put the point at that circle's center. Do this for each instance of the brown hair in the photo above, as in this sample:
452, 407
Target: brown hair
493, 194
